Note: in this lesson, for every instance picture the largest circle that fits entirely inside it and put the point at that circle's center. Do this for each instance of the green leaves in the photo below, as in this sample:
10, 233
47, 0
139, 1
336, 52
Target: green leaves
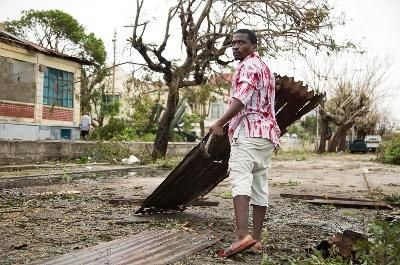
59, 31
389, 151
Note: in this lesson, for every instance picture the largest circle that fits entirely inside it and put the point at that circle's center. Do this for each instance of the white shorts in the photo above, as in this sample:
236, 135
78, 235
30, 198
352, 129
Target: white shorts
249, 163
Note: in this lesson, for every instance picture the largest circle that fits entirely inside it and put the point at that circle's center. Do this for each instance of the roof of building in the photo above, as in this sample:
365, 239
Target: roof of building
11, 39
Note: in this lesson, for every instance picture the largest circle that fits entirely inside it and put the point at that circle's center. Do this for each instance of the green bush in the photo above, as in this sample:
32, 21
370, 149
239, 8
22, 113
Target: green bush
121, 130
389, 151
383, 244
113, 128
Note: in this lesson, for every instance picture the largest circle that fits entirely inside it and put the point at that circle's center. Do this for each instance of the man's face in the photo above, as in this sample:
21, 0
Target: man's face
241, 46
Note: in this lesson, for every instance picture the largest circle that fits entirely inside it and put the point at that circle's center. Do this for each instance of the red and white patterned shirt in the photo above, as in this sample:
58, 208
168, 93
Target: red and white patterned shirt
253, 84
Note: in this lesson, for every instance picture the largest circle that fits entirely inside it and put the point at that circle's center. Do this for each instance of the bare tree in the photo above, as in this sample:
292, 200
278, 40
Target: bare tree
355, 96
206, 28
353, 84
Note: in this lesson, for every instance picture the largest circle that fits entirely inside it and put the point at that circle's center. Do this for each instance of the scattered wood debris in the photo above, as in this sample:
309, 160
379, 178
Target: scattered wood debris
340, 202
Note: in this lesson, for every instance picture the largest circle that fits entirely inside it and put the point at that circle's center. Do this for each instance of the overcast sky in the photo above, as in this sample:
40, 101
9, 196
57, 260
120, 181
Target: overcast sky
376, 24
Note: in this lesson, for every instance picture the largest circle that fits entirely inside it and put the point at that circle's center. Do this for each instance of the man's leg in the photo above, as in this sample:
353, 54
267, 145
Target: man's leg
241, 205
259, 197
258, 220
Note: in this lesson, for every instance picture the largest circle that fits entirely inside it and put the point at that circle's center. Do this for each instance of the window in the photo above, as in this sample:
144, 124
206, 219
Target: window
108, 99
217, 110
111, 103
58, 88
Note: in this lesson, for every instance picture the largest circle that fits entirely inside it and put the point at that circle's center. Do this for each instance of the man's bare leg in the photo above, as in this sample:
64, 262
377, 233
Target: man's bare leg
241, 205
258, 220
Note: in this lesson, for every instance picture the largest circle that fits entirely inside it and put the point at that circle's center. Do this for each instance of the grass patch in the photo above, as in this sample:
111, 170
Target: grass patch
108, 152
393, 199
225, 195
104, 237
349, 213
289, 183
168, 163
166, 224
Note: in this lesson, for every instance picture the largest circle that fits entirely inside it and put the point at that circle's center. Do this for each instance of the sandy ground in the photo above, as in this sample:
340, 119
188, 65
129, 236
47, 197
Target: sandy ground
48, 220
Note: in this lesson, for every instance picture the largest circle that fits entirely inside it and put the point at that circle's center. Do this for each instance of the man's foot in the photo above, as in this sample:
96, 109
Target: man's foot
236, 247
257, 248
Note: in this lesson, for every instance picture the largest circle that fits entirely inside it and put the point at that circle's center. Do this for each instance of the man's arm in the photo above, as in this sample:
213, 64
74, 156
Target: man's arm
234, 108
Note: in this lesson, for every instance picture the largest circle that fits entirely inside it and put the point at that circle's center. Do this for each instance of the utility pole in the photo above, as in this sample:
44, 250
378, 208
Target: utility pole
113, 77
316, 117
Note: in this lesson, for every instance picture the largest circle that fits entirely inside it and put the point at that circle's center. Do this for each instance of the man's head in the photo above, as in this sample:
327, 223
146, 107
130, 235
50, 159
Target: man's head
244, 42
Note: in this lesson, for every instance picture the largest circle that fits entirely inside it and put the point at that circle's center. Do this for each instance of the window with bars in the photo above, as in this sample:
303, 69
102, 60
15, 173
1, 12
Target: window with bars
58, 88
217, 110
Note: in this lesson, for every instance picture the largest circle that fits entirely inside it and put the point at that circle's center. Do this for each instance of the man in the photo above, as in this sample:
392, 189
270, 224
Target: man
85, 126
254, 134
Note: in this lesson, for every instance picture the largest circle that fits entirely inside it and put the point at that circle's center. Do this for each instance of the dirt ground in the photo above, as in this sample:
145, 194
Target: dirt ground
43, 221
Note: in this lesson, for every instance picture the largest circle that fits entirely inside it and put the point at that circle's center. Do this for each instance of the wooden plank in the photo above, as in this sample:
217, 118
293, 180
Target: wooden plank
312, 197
204, 203
352, 204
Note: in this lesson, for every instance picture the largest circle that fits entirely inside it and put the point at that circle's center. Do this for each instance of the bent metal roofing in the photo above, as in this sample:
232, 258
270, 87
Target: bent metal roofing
11, 39
149, 247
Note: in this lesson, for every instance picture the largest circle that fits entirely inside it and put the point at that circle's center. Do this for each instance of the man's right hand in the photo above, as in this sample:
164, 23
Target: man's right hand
216, 129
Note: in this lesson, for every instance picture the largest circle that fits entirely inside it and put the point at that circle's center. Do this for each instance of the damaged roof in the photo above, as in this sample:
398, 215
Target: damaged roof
13, 40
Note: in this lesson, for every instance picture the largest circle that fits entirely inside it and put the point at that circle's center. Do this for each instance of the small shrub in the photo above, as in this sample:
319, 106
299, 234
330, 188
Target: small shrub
383, 244
393, 199
389, 151
109, 152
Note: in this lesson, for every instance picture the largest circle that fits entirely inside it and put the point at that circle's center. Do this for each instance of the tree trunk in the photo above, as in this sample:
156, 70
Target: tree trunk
162, 135
324, 129
202, 131
338, 142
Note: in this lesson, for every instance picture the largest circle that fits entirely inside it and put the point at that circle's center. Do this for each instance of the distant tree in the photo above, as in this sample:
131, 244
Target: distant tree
59, 31
353, 96
206, 29
368, 125
200, 97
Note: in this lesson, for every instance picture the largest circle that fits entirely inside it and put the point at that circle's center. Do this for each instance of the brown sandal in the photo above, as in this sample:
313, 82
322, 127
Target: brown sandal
246, 243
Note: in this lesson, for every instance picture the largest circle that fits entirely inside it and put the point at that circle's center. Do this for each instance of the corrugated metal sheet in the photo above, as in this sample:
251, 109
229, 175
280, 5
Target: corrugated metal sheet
150, 247
198, 173
7, 37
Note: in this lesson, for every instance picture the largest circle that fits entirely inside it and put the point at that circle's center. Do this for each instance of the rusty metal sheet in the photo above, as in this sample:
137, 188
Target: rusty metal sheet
7, 37
149, 247
201, 171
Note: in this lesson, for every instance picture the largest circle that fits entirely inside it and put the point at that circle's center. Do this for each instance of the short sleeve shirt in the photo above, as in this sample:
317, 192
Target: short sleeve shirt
253, 84
85, 123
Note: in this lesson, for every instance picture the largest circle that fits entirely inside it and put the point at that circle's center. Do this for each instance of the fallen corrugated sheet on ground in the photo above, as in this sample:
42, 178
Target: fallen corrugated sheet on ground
206, 165
149, 247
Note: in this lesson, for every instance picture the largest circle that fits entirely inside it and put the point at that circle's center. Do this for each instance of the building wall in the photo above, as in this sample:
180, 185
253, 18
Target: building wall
17, 80
19, 152
21, 93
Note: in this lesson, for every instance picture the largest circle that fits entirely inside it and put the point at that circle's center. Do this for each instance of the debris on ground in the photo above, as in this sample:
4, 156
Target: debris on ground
345, 243
153, 247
